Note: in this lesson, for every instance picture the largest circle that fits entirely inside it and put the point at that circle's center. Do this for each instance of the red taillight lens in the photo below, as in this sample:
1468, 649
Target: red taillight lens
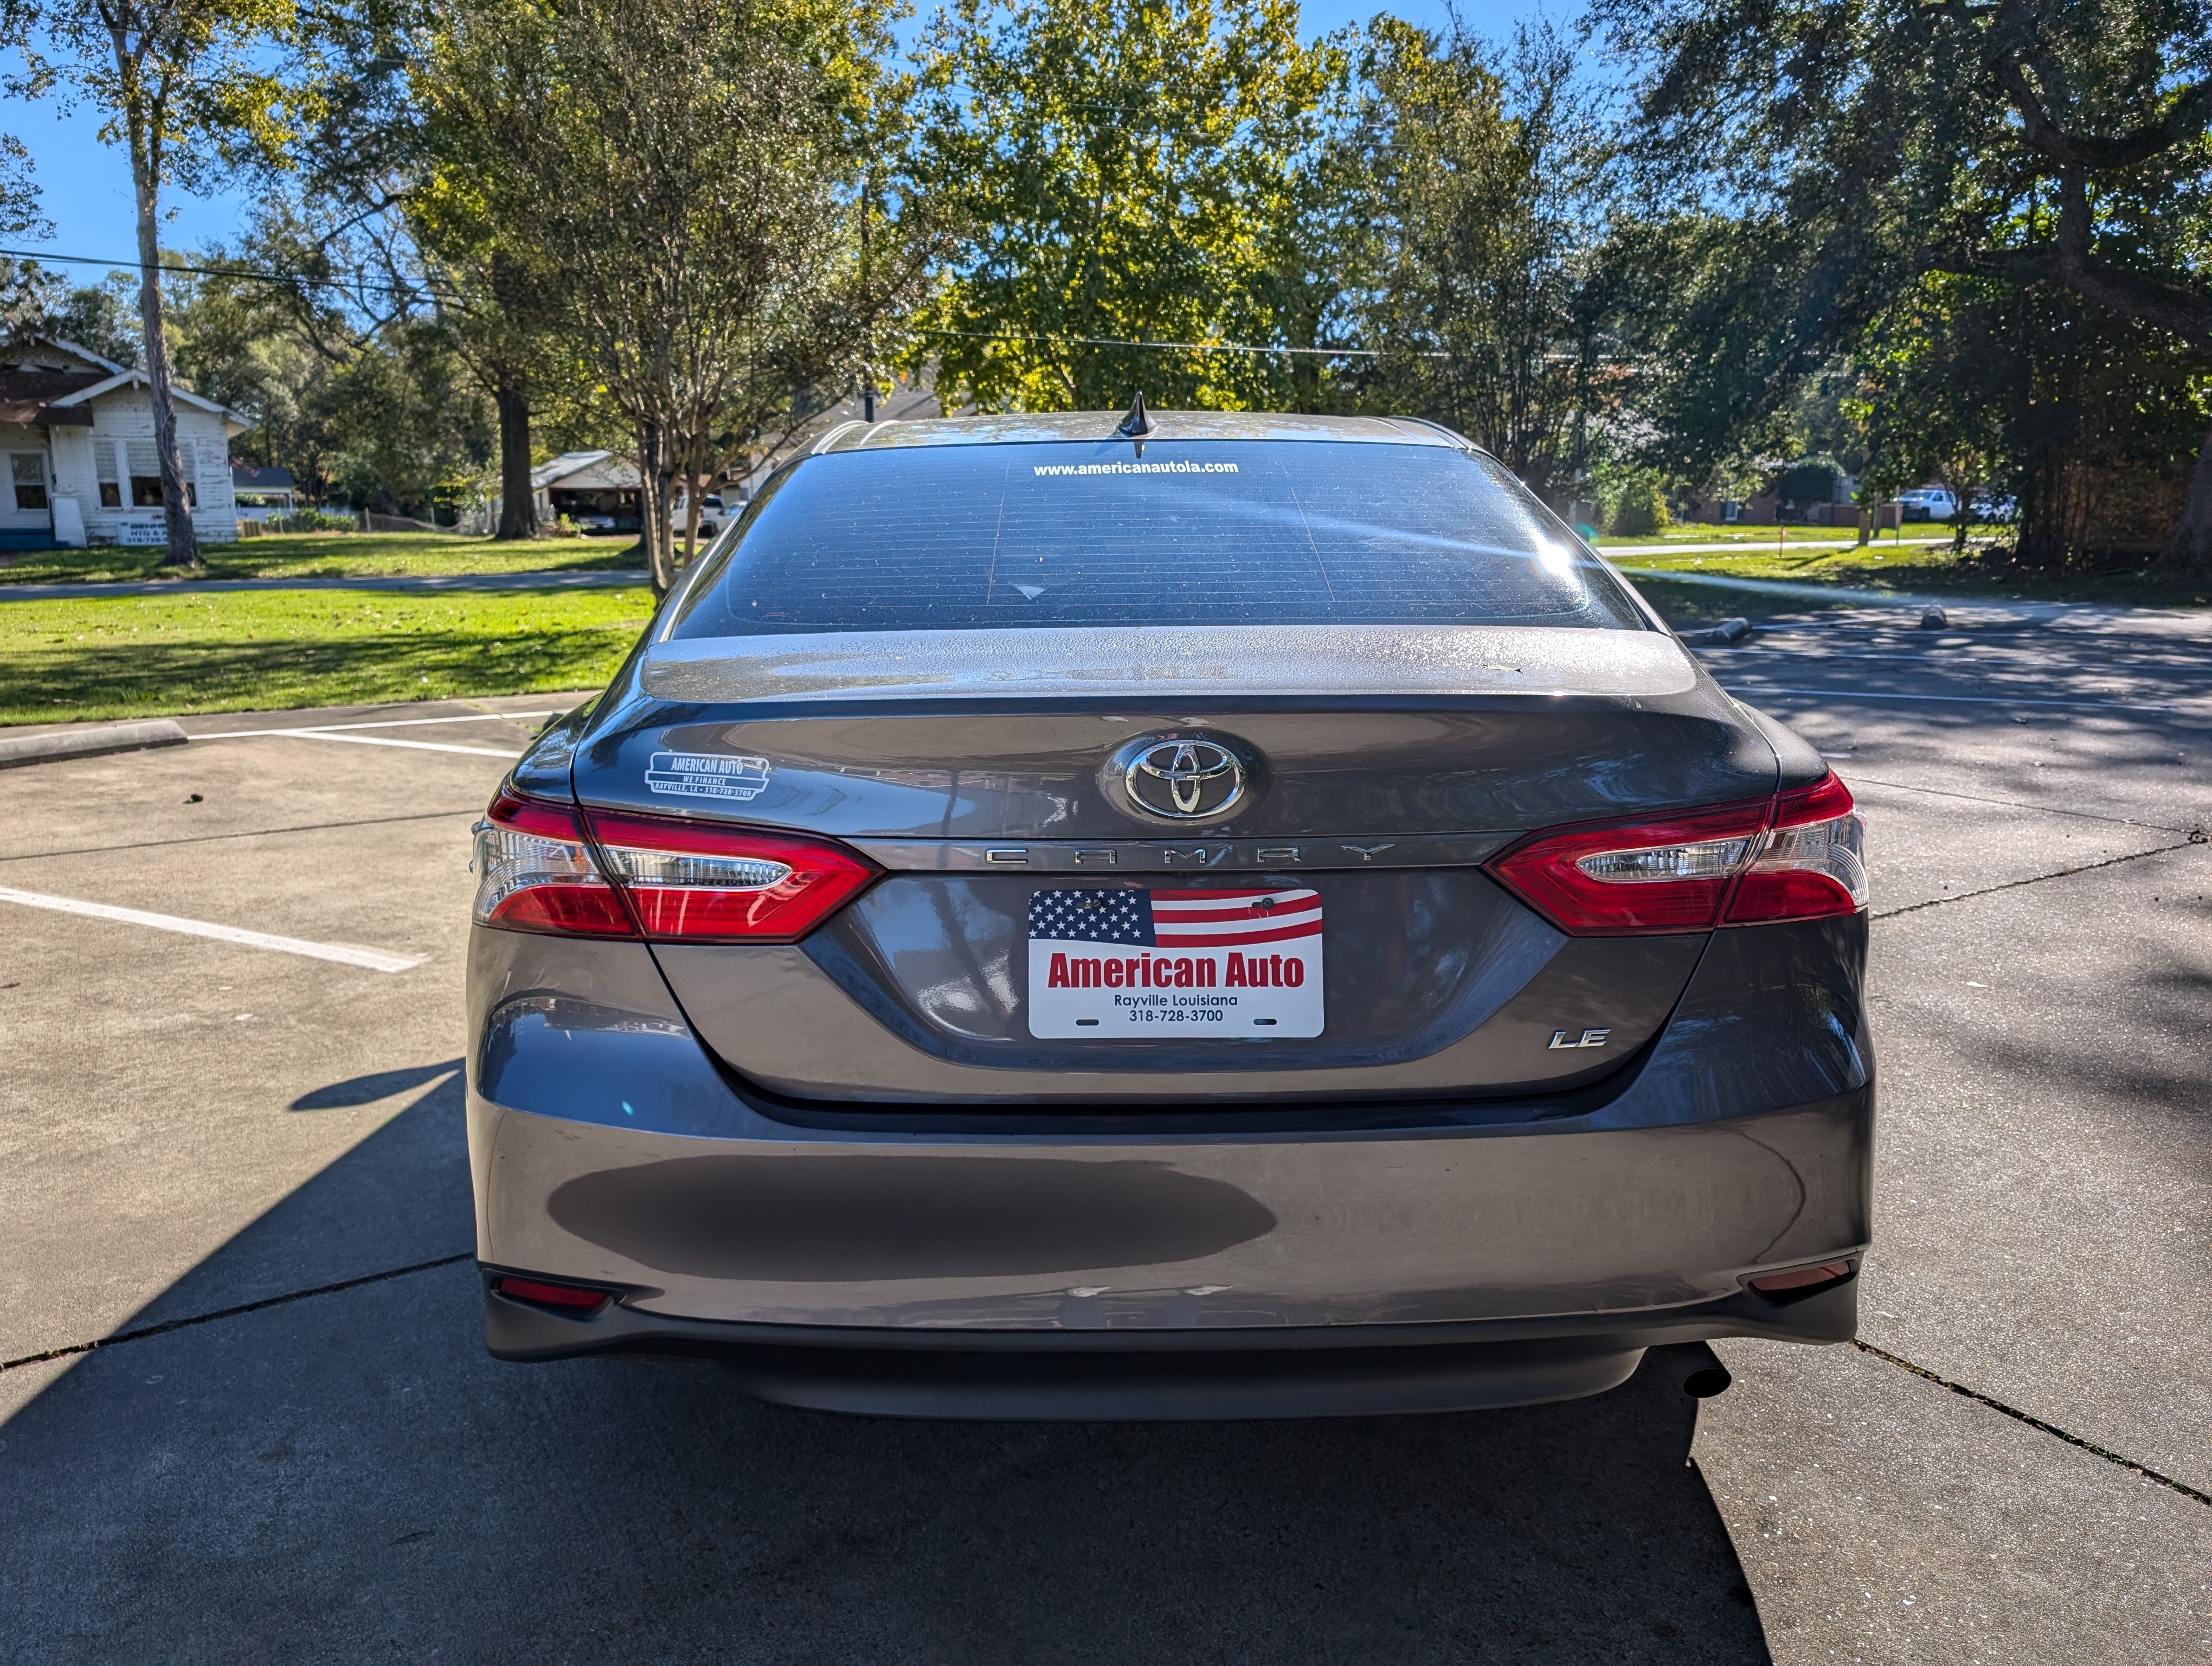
1627, 878
571, 1299
534, 873
1811, 862
695, 882
1795, 856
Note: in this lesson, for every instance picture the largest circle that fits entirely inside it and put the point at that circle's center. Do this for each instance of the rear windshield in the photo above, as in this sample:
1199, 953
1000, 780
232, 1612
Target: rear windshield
1207, 532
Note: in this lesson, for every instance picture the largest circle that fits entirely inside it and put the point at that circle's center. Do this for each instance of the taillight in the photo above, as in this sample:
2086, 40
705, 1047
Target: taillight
1811, 862
695, 882
1795, 856
534, 873
1628, 878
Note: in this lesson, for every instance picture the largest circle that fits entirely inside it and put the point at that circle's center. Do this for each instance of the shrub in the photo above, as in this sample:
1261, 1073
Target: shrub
1638, 506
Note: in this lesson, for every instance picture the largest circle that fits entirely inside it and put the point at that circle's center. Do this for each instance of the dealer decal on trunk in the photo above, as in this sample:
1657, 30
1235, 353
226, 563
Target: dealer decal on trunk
1188, 964
708, 775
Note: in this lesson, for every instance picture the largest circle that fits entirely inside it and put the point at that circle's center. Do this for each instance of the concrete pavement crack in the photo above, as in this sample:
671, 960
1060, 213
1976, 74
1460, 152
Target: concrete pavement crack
243, 833
167, 1326
2032, 1422
2038, 878
2015, 804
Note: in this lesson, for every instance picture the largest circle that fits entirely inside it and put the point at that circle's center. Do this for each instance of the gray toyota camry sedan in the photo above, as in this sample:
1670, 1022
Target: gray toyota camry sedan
1174, 915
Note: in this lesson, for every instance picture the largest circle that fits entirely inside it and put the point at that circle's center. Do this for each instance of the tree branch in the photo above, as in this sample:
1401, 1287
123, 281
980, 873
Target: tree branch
2186, 313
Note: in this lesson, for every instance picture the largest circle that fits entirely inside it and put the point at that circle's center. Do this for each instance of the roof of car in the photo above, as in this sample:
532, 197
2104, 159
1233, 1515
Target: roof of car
1168, 426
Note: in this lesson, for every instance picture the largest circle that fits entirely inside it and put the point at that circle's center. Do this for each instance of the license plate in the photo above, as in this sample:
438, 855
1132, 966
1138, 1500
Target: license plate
1192, 965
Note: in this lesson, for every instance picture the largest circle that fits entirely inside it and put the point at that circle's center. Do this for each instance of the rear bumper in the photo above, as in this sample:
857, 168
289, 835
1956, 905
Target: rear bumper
1218, 1263
1344, 1370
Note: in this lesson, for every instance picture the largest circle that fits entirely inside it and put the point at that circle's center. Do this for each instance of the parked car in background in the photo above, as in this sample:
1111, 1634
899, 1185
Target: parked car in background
1928, 503
715, 514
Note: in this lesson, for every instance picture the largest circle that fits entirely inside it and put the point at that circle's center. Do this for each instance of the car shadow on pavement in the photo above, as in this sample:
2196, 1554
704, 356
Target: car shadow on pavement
348, 1476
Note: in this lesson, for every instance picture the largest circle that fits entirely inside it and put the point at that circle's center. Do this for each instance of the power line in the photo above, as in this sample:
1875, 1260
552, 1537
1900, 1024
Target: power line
1246, 348
355, 283
1182, 346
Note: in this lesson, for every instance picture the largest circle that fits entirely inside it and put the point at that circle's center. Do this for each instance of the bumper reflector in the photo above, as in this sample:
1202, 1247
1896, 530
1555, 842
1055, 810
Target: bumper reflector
566, 1296
1802, 1278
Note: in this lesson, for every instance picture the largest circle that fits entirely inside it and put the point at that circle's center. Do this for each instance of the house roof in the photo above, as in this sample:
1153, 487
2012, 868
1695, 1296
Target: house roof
247, 479
37, 395
84, 353
62, 397
560, 468
233, 423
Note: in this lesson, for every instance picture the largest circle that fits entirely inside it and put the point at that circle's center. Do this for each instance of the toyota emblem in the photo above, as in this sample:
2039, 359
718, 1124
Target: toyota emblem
1179, 778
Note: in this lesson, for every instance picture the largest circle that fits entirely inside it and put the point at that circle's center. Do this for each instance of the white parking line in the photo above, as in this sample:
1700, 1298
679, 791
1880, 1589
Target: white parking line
386, 740
375, 960
383, 723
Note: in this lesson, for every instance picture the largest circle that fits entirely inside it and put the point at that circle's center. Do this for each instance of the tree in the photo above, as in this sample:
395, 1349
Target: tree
1124, 173
180, 85
395, 167
1863, 143
26, 289
1484, 287
691, 171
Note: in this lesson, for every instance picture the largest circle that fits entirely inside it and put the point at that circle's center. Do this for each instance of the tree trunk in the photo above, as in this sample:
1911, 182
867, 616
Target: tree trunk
2190, 549
176, 502
517, 503
653, 476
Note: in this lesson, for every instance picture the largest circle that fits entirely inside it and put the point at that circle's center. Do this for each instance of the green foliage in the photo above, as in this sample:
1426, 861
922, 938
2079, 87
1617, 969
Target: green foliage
1123, 173
1829, 155
698, 180
24, 285
101, 316
1634, 504
1483, 283
385, 419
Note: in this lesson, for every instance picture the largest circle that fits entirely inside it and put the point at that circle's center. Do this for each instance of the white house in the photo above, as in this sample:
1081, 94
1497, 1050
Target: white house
77, 431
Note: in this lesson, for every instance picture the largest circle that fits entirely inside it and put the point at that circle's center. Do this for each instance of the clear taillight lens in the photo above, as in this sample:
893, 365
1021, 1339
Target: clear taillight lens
1811, 862
694, 882
1795, 856
1627, 878
534, 873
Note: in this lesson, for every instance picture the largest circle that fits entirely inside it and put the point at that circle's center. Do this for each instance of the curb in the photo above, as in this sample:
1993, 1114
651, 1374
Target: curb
89, 742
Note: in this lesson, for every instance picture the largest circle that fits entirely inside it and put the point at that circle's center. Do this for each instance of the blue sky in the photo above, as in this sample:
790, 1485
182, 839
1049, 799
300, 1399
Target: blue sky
86, 185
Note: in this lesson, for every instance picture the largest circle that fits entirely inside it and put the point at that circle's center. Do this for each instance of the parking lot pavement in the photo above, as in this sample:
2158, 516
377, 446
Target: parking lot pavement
163, 1091
345, 1474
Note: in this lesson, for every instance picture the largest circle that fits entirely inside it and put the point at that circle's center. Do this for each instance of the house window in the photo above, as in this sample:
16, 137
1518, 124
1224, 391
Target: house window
28, 470
146, 492
111, 495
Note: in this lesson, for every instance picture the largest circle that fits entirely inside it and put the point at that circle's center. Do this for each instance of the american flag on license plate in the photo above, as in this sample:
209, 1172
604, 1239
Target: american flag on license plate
1241, 918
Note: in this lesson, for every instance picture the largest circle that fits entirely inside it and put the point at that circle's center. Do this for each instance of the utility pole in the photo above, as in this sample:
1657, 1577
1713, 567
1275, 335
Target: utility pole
867, 363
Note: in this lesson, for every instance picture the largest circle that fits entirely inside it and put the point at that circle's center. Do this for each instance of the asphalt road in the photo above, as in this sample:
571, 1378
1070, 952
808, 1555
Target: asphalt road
245, 1165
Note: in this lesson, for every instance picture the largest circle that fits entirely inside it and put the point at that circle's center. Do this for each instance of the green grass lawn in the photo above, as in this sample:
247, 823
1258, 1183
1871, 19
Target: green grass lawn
327, 556
1699, 532
1980, 573
147, 656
